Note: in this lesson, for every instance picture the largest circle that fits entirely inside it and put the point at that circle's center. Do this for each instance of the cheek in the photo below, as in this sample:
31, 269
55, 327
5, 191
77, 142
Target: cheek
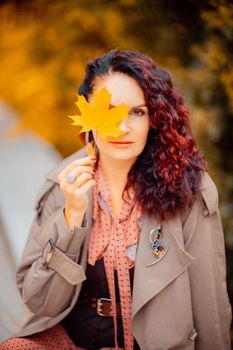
97, 138
142, 130
99, 141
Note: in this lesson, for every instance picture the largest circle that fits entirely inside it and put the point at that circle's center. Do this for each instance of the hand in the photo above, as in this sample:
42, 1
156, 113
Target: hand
76, 200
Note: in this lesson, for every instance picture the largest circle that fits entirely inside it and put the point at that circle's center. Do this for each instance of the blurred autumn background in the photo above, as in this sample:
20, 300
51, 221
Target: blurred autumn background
44, 46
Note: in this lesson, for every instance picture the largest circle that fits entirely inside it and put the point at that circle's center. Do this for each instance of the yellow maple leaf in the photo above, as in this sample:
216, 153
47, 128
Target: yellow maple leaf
99, 116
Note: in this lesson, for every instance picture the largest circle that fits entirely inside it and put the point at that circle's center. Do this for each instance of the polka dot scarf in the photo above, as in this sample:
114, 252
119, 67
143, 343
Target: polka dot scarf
110, 237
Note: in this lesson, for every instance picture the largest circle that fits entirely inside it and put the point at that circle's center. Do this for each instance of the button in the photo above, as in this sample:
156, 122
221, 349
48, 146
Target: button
193, 334
205, 212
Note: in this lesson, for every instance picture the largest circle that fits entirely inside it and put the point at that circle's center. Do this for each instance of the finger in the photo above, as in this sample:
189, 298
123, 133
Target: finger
77, 172
68, 169
87, 161
64, 184
85, 187
81, 180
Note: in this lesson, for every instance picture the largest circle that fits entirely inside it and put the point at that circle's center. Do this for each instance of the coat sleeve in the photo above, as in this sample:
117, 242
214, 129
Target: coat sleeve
204, 240
49, 268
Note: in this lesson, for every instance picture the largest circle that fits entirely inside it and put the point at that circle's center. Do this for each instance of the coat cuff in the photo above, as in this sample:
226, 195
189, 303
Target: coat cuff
56, 260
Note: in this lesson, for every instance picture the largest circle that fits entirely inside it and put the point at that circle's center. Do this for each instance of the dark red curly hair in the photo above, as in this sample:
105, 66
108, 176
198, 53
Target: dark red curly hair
167, 175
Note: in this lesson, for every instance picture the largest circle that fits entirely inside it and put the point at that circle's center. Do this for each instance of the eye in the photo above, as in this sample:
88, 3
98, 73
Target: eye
137, 112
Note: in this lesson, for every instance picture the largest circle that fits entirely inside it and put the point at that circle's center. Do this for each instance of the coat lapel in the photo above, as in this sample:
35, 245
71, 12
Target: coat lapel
150, 280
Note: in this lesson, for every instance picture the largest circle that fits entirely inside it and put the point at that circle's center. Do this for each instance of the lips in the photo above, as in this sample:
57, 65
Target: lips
121, 142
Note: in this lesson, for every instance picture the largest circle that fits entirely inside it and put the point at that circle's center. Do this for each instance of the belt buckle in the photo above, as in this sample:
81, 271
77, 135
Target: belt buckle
99, 306
49, 255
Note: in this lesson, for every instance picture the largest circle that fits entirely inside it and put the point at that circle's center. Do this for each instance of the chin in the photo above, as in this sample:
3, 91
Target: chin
122, 155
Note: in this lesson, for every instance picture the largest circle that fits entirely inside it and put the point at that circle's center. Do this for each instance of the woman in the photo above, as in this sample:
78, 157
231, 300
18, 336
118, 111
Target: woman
127, 249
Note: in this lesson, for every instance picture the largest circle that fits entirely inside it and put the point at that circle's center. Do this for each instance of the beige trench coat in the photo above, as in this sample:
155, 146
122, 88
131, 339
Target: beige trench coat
180, 302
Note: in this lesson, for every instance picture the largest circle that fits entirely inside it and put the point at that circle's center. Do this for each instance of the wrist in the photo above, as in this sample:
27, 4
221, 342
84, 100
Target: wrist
73, 217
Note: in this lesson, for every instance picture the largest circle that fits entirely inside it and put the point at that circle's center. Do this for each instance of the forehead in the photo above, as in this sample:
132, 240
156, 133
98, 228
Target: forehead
123, 89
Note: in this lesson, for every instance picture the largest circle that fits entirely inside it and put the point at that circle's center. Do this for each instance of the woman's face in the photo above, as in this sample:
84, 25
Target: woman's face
130, 144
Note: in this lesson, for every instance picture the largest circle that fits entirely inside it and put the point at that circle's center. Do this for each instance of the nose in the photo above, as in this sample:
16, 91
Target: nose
124, 125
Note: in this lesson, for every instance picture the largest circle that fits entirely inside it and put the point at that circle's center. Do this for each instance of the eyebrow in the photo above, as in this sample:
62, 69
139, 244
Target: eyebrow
143, 105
